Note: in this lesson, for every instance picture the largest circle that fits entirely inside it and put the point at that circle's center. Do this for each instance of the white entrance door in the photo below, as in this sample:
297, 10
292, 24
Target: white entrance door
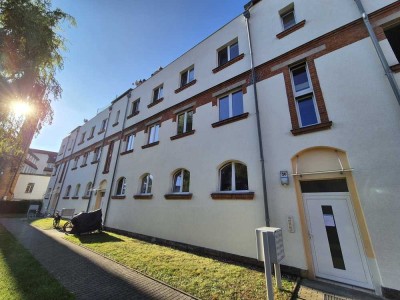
335, 240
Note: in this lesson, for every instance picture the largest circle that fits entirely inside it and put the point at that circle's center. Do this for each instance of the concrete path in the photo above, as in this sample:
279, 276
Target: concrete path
86, 274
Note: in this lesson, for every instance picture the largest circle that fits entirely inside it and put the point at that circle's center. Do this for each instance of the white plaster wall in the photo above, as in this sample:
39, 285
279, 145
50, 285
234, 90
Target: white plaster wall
365, 113
38, 191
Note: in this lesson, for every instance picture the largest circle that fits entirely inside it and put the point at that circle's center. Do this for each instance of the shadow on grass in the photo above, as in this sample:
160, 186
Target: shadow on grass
95, 238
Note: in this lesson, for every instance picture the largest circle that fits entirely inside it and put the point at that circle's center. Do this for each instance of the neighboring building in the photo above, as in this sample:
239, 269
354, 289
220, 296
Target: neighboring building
178, 157
34, 175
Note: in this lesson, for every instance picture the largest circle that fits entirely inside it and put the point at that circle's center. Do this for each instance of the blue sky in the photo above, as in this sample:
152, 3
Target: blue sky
117, 42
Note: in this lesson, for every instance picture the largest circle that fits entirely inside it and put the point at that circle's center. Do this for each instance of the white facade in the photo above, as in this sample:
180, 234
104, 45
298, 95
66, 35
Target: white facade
352, 146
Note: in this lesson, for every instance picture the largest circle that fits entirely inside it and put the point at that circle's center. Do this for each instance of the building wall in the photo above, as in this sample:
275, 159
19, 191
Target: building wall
41, 182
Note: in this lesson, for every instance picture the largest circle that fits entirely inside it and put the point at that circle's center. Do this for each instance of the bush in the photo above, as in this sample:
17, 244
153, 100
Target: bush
17, 207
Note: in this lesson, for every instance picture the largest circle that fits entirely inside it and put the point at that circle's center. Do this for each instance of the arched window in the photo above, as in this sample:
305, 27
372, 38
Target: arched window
67, 191
233, 177
181, 181
147, 182
78, 187
88, 188
121, 186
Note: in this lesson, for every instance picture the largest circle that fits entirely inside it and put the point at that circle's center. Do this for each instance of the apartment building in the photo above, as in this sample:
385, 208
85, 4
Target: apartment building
275, 119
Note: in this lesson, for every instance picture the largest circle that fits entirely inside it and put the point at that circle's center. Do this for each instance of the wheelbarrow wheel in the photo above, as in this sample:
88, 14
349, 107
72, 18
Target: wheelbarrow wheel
67, 227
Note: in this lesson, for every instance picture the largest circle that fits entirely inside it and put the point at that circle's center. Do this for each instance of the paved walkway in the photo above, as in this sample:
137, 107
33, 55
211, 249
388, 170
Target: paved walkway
91, 276
86, 274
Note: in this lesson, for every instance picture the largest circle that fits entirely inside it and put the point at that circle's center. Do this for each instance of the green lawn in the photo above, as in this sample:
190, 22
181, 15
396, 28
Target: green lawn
199, 276
22, 277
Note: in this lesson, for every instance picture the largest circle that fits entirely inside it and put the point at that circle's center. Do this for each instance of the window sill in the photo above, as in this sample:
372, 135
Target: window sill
126, 152
181, 135
312, 128
176, 196
94, 162
105, 172
75, 198
395, 68
101, 131
150, 145
74, 168
143, 196
155, 102
82, 166
233, 196
90, 137
230, 120
227, 64
80, 143
185, 86
65, 197
291, 29
118, 197
132, 115
85, 197
115, 124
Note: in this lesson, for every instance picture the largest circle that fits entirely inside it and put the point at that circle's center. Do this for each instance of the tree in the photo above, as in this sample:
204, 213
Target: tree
30, 56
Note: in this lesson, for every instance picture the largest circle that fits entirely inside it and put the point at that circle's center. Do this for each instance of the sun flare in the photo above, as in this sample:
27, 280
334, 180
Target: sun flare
20, 109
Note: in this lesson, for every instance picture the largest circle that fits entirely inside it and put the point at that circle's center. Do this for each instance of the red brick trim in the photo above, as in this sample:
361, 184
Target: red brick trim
132, 115
291, 29
85, 197
233, 196
395, 68
115, 124
75, 198
230, 120
126, 152
143, 196
94, 162
174, 196
118, 197
227, 64
101, 131
185, 86
319, 97
181, 135
46, 169
83, 165
74, 168
312, 128
106, 172
65, 197
150, 145
90, 137
155, 102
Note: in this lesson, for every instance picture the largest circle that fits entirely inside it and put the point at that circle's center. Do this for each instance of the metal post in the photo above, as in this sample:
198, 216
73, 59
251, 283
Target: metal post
278, 277
267, 267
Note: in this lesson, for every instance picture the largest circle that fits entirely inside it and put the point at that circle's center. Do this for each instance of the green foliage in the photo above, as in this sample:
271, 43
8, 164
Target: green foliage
30, 56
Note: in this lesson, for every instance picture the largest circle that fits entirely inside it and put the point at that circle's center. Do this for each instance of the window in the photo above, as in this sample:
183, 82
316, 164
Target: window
129, 142
233, 177
103, 125
121, 187
288, 18
393, 36
117, 117
92, 132
157, 93
84, 160
153, 133
147, 182
228, 53
181, 181
304, 96
96, 154
48, 193
82, 137
29, 188
231, 105
67, 191
75, 162
135, 107
78, 187
88, 189
185, 122
109, 156
187, 76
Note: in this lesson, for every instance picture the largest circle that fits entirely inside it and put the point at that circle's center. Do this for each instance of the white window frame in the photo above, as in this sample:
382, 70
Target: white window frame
300, 95
82, 137
135, 106
230, 98
159, 91
153, 135
123, 188
76, 160
67, 191
84, 158
96, 154
130, 140
291, 10
177, 173
77, 188
187, 72
145, 179
185, 118
92, 131
117, 117
103, 125
88, 188
228, 49
233, 177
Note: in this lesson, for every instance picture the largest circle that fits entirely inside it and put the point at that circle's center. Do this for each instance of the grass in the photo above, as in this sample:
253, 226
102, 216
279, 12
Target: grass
203, 277
22, 277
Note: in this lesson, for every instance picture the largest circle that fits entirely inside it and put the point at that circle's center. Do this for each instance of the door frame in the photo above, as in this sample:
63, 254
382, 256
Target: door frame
331, 196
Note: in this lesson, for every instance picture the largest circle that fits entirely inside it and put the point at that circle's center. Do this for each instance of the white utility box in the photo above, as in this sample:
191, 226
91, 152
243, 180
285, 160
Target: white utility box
274, 243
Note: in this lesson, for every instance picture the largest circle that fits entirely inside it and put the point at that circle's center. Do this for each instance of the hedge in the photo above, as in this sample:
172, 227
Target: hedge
17, 207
